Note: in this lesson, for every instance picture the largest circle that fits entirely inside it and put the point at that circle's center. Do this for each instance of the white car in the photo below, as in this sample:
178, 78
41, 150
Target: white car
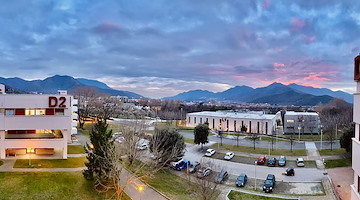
142, 146
174, 164
210, 152
229, 155
300, 162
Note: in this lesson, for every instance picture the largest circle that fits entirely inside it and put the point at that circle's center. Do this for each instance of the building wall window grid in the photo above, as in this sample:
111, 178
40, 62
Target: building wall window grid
34, 112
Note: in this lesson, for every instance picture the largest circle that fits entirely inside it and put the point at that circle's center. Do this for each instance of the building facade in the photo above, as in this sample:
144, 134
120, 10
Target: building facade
255, 122
304, 123
36, 124
355, 188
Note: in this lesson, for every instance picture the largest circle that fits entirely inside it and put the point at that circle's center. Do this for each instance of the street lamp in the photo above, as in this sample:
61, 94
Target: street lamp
255, 174
299, 127
140, 188
321, 136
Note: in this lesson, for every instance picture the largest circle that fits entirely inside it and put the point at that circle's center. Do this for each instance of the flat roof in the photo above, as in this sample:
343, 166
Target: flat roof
240, 115
300, 113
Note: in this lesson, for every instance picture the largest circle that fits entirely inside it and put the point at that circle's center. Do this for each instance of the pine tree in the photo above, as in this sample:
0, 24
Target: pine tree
201, 133
101, 144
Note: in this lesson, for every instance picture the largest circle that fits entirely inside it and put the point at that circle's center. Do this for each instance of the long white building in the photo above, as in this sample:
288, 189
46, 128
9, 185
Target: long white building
36, 124
255, 122
355, 188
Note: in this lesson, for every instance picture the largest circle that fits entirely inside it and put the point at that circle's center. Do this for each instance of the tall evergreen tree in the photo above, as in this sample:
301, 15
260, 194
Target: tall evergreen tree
201, 133
101, 144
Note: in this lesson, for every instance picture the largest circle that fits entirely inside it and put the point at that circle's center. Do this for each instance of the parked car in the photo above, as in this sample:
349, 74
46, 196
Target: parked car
269, 183
182, 165
204, 171
210, 152
174, 164
290, 171
282, 161
271, 162
142, 146
241, 180
300, 162
221, 176
261, 160
229, 155
193, 167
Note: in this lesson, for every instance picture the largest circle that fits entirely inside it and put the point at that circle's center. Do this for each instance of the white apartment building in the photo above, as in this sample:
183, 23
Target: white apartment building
355, 188
304, 123
255, 122
36, 124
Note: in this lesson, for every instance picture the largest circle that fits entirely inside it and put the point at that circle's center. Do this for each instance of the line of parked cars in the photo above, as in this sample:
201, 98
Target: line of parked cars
281, 162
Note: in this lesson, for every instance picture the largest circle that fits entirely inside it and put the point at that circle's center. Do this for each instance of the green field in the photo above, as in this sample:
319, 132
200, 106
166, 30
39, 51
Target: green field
51, 163
234, 195
188, 140
338, 163
47, 185
329, 152
76, 149
263, 151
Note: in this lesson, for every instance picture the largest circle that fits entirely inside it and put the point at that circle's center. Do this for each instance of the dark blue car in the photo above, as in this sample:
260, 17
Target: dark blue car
241, 180
182, 165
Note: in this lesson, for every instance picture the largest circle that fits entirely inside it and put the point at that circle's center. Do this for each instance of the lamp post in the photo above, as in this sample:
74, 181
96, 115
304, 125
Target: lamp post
255, 174
321, 136
140, 188
299, 128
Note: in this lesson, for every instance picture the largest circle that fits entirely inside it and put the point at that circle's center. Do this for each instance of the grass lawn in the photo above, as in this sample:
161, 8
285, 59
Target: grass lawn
75, 149
234, 195
189, 140
187, 131
171, 185
338, 163
269, 139
328, 152
152, 132
51, 163
47, 185
264, 151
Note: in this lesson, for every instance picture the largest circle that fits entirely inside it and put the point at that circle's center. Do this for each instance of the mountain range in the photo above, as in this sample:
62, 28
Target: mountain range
275, 93
52, 84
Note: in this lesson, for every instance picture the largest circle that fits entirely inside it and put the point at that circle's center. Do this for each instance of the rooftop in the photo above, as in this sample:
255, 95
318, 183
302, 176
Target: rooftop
239, 115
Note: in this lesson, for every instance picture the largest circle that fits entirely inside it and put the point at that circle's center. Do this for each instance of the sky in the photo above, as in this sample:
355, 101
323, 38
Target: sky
160, 48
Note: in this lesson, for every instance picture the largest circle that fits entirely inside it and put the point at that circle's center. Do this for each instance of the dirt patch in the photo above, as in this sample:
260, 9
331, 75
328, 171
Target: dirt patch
342, 178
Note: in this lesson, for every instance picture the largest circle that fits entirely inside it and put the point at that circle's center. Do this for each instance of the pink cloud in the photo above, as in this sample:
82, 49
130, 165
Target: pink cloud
238, 77
216, 72
316, 77
298, 22
309, 39
266, 4
275, 64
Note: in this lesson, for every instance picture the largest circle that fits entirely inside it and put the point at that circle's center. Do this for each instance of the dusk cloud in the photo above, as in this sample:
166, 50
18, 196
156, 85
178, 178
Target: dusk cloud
142, 46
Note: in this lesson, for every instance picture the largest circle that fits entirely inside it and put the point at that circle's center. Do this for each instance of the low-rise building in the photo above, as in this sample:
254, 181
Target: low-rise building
304, 123
255, 122
36, 124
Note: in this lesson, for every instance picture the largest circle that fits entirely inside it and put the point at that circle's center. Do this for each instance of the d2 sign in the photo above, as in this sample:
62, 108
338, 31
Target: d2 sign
57, 102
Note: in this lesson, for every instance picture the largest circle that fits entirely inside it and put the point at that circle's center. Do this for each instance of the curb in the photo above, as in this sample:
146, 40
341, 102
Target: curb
261, 194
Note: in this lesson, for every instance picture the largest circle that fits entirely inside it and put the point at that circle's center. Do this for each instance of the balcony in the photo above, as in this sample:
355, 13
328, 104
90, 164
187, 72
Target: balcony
355, 160
74, 109
74, 116
75, 102
357, 108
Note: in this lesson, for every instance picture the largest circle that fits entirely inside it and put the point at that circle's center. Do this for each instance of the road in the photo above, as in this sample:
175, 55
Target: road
302, 174
263, 144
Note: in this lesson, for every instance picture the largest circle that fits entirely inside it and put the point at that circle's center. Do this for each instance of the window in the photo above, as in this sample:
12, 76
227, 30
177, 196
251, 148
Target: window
20, 111
266, 128
30, 112
9, 112
258, 127
194, 120
358, 186
290, 121
207, 120
200, 120
249, 126
59, 111
40, 112
234, 125
213, 123
50, 111
227, 125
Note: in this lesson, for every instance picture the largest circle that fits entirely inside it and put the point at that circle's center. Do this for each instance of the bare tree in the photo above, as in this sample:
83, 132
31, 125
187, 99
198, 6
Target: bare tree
207, 188
253, 137
86, 96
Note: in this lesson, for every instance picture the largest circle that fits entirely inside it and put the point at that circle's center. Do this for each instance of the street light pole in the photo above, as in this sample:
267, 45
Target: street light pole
321, 136
299, 132
255, 174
